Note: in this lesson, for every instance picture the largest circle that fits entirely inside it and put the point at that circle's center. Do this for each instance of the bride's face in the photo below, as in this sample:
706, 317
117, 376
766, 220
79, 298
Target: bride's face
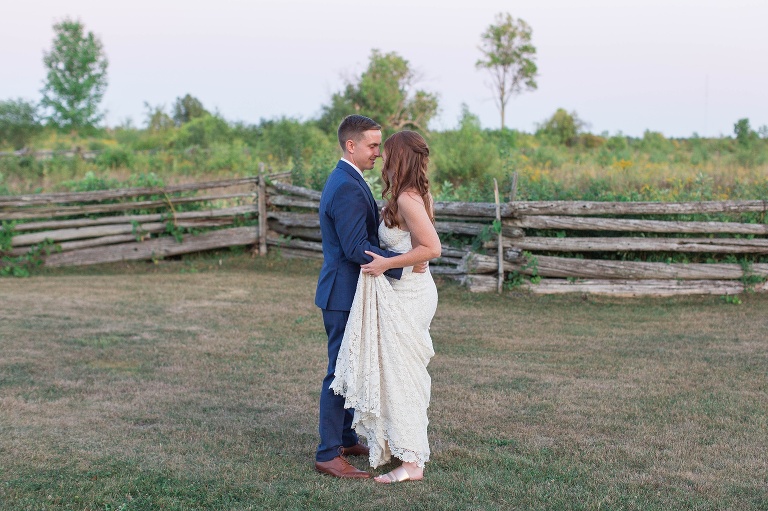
385, 169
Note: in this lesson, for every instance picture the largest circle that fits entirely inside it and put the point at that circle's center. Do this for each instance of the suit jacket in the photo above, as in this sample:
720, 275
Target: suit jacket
349, 222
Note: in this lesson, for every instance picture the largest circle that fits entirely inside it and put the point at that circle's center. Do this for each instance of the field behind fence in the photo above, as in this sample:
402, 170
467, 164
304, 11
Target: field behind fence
546, 247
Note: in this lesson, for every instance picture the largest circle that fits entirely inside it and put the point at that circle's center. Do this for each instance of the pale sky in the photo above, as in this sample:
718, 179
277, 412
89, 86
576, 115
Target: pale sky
674, 66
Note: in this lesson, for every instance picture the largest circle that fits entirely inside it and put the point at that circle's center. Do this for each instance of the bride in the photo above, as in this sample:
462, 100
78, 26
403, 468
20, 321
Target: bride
382, 364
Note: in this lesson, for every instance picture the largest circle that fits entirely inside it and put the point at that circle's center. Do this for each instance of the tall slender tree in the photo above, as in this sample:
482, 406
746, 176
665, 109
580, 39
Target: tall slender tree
509, 57
76, 78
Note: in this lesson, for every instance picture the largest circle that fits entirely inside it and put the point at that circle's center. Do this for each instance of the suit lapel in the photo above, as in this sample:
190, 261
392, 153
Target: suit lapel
355, 174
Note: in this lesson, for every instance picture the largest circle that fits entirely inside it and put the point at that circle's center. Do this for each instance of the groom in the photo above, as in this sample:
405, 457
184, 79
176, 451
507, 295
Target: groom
349, 221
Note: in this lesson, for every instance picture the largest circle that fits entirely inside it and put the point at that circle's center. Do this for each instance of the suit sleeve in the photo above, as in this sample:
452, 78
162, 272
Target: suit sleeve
349, 210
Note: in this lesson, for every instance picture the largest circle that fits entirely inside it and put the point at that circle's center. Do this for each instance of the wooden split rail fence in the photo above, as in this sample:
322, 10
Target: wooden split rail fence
150, 223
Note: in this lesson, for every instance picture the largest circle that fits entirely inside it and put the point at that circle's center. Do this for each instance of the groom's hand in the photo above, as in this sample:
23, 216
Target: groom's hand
421, 267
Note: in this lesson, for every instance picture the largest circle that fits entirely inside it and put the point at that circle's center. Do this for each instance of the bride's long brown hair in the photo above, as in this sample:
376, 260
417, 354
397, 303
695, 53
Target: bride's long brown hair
406, 159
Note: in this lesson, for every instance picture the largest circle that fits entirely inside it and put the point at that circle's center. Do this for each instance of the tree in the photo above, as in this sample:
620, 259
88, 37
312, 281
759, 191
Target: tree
187, 108
744, 134
748, 152
76, 78
157, 119
19, 123
509, 57
384, 92
563, 127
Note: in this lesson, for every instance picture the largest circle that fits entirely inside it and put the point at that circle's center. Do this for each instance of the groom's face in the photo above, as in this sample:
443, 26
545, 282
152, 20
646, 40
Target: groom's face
367, 149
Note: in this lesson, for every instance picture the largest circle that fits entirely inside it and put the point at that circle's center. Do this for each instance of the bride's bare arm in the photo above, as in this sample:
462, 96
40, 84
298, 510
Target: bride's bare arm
424, 239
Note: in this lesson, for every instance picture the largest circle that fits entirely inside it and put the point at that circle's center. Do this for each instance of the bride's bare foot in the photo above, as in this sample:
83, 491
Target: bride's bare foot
405, 472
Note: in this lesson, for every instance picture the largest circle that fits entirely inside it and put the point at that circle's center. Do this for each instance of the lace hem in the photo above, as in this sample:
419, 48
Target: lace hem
381, 372
383, 446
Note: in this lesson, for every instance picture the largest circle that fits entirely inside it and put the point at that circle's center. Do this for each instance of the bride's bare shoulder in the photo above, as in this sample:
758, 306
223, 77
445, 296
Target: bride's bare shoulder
409, 195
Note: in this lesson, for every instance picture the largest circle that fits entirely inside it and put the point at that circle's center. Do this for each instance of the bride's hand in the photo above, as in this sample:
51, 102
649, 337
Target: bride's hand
377, 266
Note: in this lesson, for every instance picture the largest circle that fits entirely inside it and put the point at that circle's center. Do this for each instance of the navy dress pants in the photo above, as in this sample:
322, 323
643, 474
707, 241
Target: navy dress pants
335, 421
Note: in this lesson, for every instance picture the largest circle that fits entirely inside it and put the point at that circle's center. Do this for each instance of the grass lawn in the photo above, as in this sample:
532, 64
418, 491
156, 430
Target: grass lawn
193, 385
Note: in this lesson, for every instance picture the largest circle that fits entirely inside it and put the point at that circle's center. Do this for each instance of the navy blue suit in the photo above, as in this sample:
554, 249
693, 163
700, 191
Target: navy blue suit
349, 221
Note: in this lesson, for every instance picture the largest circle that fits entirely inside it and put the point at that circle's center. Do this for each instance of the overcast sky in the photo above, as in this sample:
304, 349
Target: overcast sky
674, 66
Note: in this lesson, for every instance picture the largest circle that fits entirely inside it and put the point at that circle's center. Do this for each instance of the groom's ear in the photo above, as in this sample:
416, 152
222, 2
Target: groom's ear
349, 146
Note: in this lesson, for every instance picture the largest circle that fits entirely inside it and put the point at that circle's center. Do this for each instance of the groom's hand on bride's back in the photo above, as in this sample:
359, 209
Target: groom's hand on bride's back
421, 267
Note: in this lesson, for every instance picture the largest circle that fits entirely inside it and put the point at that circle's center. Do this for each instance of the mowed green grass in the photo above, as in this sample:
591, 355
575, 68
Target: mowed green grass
194, 385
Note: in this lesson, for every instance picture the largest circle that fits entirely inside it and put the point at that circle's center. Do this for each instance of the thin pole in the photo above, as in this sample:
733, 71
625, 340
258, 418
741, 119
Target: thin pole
262, 212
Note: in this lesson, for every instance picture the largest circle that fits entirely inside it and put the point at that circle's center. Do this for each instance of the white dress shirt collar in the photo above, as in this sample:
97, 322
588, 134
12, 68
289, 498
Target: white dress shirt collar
354, 167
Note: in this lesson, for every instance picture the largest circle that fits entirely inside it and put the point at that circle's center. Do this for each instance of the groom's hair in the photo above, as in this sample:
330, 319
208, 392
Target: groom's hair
353, 127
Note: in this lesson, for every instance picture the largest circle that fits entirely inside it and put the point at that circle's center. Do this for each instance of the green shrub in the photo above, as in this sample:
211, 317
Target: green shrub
590, 141
616, 148
655, 141
202, 132
465, 155
19, 123
751, 156
472, 191
506, 139
91, 183
145, 180
115, 158
314, 171
144, 140
547, 157
699, 151
562, 128
658, 148
226, 156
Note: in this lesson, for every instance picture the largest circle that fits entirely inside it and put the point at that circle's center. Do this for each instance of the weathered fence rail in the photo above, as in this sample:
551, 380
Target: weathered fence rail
83, 228
262, 211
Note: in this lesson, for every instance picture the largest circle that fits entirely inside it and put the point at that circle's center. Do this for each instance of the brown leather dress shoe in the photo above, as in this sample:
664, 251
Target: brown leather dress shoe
356, 450
340, 467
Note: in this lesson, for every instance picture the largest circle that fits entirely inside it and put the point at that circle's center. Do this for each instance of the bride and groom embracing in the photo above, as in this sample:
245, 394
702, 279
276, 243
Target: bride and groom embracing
378, 326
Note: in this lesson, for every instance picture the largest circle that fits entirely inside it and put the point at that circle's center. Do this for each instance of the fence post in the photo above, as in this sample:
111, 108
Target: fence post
513, 187
501, 241
262, 212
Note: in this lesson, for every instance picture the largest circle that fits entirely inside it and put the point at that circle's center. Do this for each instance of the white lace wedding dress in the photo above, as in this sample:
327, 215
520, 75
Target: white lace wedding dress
382, 365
